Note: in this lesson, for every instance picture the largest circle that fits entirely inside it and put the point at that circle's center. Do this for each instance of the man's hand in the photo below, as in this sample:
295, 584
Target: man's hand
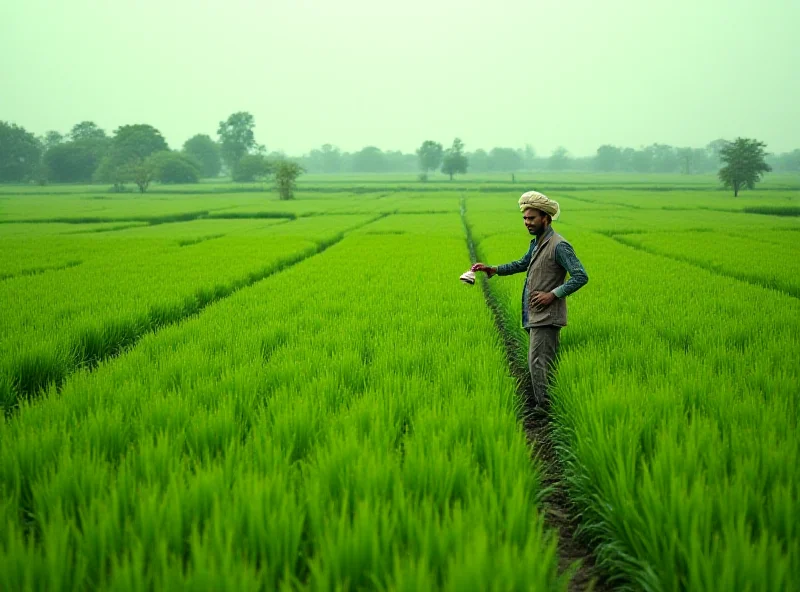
489, 271
543, 298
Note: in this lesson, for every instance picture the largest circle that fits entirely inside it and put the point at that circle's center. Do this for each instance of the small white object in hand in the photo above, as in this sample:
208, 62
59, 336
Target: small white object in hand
468, 277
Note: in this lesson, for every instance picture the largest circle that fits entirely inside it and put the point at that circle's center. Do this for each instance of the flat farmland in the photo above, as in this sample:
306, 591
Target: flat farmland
223, 390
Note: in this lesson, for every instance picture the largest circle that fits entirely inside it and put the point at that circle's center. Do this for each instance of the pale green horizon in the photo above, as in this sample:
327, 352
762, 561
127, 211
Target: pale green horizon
355, 72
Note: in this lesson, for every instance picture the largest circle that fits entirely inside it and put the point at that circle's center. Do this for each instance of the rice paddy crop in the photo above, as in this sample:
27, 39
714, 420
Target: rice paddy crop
676, 406
122, 287
225, 391
347, 423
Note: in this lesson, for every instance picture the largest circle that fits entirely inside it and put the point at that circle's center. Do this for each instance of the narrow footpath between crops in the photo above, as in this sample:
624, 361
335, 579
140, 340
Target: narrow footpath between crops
558, 512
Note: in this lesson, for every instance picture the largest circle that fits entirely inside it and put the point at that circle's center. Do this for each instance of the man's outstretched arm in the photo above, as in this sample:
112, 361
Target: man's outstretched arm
517, 266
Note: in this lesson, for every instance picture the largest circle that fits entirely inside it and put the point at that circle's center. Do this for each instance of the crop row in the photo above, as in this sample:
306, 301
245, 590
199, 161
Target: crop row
153, 209
346, 424
58, 321
676, 407
762, 257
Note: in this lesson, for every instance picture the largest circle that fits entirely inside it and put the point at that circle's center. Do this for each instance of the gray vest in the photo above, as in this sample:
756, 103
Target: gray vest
545, 275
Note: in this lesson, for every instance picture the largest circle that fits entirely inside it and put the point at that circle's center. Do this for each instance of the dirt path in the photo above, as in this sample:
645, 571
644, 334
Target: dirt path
559, 513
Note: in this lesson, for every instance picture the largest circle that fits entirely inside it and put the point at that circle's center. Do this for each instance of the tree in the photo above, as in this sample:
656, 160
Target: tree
206, 152
665, 159
529, 157
327, 159
642, 160
330, 159
132, 143
454, 160
89, 144
174, 167
701, 162
714, 148
369, 159
86, 130
286, 173
506, 160
788, 162
72, 162
251, 167
399, 162
430, 155
141, 173
127, 155
236, 137
608, 158
20, 153
110, 172
559, 159
745, 164
686, 159
479, 161
51, 139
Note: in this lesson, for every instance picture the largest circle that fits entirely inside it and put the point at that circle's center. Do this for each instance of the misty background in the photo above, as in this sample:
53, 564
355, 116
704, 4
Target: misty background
356, 73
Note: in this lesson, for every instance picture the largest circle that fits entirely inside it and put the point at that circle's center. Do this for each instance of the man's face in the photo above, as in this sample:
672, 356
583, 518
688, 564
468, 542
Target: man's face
535, 221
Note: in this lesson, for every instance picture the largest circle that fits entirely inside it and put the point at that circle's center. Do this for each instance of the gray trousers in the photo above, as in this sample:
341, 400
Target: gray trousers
541, 357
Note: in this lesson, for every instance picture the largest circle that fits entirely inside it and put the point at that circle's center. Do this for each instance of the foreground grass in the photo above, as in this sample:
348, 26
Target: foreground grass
346, 424
676, 408
129, 284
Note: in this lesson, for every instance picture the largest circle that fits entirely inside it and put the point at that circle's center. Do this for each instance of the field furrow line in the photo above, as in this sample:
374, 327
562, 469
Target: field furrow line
33, 376
559, 513
39, 270
767, 283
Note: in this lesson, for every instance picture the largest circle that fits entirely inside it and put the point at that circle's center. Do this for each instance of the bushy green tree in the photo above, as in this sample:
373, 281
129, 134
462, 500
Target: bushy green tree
685, 158
430, 155
20, 153
132, 143
108, 171
236, 137
608, 158
174, 167
642, 160
788, 162
506, 160
559, 159
51, 139
286, 173
454, 161
479, 161
206, 152
72, 162
326, 159
369, 159
744, 162
330, 159
665, 158
142, 173
126, 159
529, 156
87, 130
251, 167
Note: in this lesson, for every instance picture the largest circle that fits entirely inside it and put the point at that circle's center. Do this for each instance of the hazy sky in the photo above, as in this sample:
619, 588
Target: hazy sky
577, 73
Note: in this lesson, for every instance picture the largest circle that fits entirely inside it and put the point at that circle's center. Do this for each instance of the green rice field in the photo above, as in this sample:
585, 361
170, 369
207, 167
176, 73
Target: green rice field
206, 388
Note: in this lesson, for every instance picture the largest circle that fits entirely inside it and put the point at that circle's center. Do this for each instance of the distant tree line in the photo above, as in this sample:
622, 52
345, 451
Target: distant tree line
432, 156
138, 154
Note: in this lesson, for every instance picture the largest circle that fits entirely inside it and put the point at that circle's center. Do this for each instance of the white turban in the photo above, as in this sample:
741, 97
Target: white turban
539, 201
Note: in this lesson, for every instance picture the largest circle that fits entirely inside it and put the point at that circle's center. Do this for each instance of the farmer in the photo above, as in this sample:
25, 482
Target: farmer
544, 304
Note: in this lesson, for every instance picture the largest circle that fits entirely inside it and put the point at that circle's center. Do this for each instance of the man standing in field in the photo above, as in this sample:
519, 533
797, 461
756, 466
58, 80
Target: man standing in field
544, 305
